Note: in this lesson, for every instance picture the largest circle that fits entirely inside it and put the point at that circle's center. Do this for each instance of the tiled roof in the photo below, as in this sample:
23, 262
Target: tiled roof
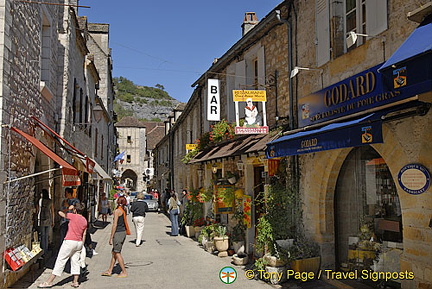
129, 121
155, 132
181, 106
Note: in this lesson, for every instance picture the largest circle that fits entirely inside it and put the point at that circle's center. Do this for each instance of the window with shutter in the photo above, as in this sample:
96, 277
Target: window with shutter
322, 32
367, 17
261, 68
240, 78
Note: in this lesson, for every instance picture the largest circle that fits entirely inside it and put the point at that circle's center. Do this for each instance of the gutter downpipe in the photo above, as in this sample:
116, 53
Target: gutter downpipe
290, 68
295, 185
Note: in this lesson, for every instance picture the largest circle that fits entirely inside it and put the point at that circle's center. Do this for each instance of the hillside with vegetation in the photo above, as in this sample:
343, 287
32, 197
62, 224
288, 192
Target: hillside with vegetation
142, 102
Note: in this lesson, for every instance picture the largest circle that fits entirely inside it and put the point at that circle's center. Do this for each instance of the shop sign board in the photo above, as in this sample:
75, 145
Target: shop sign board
414, 179
250, 105
213, 100
365, 90
191, 146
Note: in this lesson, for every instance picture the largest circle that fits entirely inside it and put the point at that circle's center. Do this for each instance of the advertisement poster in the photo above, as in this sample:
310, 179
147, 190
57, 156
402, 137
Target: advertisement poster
250, 108
247, 210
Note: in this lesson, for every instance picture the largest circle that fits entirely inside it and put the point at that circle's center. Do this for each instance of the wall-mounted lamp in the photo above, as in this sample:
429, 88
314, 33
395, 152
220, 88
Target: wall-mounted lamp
240, 165
352, 38
214, 168
297, 69
98, 112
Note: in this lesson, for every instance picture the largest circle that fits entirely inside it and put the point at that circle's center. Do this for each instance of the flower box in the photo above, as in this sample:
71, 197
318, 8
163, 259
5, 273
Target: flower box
306, 265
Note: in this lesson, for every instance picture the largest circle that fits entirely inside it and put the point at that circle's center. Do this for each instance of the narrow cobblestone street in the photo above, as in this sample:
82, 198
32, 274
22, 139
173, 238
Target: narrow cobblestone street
162, 261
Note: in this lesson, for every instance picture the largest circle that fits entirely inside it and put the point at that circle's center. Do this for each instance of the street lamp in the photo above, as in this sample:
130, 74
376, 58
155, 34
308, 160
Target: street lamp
352, 38
98, 112
297, 69
240, 165
214, 168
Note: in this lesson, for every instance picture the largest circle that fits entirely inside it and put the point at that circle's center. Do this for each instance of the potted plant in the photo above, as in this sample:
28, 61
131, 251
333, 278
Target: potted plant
221, 241
259, 266
206, 237
305, 255
239, 230
188, 219
240, 258
198, 225
264, 239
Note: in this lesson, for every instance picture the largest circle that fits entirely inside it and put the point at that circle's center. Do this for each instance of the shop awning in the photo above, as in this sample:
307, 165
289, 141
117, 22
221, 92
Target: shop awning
363, 131
101, 172
242, 145
88, 163
70, 174
417, 44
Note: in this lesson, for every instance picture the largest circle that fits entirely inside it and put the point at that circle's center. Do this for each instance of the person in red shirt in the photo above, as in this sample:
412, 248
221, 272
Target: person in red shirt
71, 246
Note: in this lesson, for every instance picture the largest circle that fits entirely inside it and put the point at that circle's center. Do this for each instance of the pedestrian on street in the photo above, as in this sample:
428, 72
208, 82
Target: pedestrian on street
183, 201
165, 199
104, 206
71, 246
45, 210
139, 208
173, 209
128, 201
120, 229
66, 203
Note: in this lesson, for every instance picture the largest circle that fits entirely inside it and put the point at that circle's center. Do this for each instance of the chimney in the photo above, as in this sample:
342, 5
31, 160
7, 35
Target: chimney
249, 22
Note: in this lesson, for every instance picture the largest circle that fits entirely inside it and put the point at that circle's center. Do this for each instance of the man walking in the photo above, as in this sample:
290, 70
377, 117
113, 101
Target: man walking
139, 208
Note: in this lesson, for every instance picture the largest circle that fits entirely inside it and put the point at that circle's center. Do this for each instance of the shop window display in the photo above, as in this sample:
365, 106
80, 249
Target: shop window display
366, 204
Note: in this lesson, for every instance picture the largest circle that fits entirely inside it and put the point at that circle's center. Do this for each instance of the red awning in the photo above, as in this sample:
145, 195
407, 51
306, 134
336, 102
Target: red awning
89, 164
70, 174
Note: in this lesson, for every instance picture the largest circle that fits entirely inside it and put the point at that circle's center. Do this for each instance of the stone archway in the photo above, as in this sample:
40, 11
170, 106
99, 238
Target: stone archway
130, 179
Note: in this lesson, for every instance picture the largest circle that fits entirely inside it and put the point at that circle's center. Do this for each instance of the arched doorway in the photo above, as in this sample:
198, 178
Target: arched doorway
365, 195
129, 178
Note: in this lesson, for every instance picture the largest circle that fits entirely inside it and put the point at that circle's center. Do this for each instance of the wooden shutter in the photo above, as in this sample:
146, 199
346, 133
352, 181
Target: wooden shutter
240, 78
322, 31
376, 17
261, 68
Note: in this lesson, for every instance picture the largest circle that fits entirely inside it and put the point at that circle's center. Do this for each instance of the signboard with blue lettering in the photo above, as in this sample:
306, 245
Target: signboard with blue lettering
358, 93
364, 131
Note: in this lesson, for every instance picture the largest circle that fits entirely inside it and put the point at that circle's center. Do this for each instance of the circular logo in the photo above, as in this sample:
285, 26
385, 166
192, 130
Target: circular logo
228, 275
414, 179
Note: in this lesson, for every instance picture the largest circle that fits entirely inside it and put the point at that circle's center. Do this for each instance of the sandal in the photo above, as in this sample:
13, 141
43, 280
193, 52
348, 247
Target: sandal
45, 285
75, 285
107, 274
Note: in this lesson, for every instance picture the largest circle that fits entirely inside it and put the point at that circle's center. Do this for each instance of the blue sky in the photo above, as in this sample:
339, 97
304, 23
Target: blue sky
171, 43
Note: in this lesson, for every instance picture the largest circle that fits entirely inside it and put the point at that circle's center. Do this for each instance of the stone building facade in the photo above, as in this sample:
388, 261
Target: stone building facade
329, 214
298, 53
132, 141
258, 61
45, 65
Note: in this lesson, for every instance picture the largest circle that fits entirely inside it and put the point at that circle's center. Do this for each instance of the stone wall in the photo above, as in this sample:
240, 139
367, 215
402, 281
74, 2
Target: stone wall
405, 141
20, 69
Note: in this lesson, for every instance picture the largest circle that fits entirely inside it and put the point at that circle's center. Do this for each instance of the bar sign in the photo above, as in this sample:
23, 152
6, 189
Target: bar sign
213, 100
